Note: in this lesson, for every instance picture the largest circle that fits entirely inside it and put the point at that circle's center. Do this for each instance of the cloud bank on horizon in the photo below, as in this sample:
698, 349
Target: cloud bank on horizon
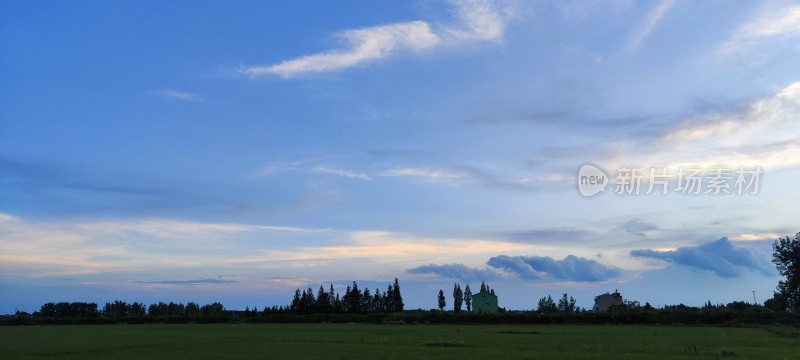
720, 257
537, 268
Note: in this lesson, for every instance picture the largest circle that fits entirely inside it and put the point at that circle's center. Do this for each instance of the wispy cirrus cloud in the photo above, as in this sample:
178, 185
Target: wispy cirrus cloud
760, 132
429, 175
644, 28
178, 95
437, 175
453, 175
44, 248
201, 281
341, 172
393, 245
730, 137
773, 23
478, 21
781, 107
366, 45
720, 257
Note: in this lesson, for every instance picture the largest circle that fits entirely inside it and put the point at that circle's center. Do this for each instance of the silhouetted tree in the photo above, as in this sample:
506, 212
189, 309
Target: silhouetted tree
295, 305
332, 299
213, 309
458, 297
157, 309
323, 302
546, 305
351, 302
786, 257
337, 304
397, 301
175, 309
377, 301
192, 310
136, 309
441, 300
566, 304
116, 310
468, 297
366, 301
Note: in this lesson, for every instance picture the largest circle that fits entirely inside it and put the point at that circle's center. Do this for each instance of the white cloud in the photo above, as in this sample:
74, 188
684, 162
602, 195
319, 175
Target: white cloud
366, 44
478, 21
773, 24
398, 247
784, 106
743, 138
138, 251
765, 133
178, 95
43, 248
646, 26
454, 175
452, 178
306, 166
281, 166
340, 172
766, 236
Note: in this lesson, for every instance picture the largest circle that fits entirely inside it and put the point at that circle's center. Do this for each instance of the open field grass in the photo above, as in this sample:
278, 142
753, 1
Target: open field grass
343, 341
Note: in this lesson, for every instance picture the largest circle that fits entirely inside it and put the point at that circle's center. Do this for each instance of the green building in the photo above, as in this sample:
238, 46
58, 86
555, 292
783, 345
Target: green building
484, 302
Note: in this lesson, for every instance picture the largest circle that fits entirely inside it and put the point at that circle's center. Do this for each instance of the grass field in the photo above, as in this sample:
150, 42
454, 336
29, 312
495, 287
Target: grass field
343, 341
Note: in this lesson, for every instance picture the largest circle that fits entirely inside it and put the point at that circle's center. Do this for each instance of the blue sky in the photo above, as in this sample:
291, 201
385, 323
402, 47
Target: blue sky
234, 151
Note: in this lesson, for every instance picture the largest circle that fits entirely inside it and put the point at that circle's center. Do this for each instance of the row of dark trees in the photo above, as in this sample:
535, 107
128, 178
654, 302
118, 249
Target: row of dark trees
354, 301
630, 312
74, 310
565, 305
121, 310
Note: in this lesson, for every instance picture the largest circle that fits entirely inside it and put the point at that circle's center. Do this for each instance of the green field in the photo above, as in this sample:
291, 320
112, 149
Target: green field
342, 341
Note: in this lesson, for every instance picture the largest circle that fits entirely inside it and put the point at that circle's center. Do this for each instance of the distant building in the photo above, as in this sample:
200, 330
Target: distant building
484, 302
605, 301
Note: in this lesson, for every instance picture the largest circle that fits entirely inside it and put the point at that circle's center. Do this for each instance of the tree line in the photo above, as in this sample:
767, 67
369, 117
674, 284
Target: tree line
565, 305
354, 301
121, 310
